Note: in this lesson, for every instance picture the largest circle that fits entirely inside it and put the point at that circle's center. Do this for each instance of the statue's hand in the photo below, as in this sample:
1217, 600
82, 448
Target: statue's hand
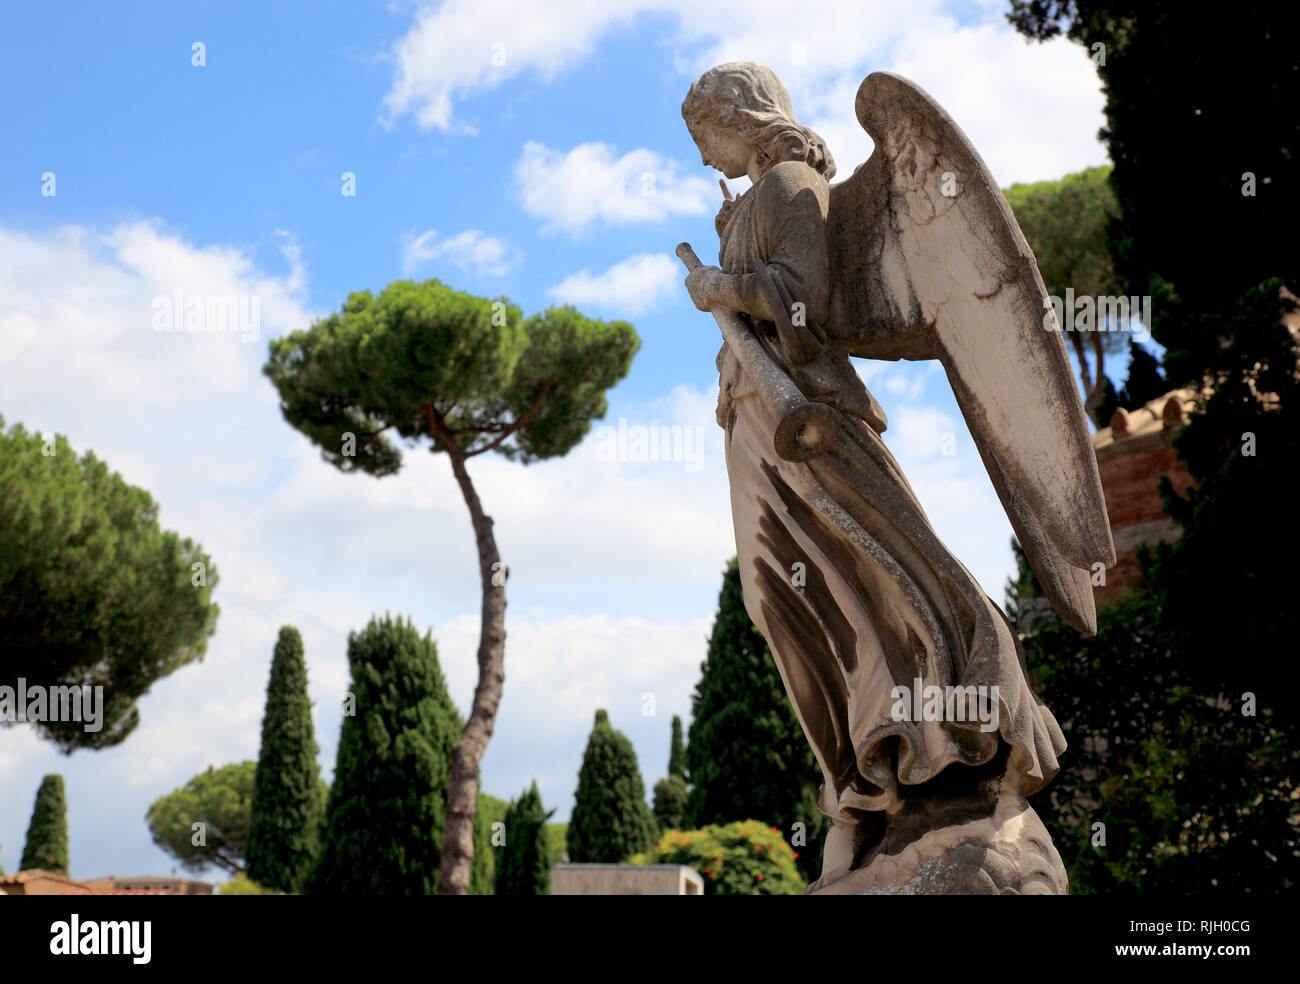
724, 213
702, 284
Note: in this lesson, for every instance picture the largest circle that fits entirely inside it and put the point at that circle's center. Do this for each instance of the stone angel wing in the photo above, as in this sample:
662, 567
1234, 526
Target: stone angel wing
928, 262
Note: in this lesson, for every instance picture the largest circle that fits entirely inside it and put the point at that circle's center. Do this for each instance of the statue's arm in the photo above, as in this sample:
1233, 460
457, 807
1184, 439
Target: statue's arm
791, 218
737, 291
792, 290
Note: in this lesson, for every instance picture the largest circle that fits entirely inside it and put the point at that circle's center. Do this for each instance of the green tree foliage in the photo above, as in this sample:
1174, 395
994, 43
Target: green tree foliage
671, 797
742, 858
1065, 224
524, 860
1025, 602
1215, 592
677, 751
747, 754
1107, 404
1238, 524
384, 823
323, 799
92, 591
47, 834
423, 362
1167, 786
483, 873
220, 802
1161, 66
284, 829
610, 819
1144, 381
241, 884
557, 839
671, 800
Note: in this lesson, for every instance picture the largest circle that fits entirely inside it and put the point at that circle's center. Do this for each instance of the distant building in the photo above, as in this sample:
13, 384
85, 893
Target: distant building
36, 881
152, 884
625, 879
1132, 454
1137, 448
39, 882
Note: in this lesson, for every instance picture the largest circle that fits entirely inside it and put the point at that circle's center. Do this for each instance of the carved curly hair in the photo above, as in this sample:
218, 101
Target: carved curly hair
750, 98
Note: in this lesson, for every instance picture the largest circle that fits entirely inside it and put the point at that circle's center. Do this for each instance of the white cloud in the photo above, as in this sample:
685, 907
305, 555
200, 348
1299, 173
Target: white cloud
186, 416
77, 308
631, 287
1032, 110
589, 185
918, 432
1004, 92
472, 251
615, 564
463, 45
906, 386
934, 449
559, 671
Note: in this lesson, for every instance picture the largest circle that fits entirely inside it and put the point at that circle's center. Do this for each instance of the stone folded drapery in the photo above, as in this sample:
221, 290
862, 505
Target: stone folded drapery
843, 573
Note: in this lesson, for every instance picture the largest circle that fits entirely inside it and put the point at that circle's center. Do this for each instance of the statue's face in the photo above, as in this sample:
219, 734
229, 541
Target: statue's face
725, 149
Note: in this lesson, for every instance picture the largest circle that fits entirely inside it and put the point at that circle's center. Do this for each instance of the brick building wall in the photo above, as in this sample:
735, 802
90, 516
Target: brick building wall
38, 882
1132, 454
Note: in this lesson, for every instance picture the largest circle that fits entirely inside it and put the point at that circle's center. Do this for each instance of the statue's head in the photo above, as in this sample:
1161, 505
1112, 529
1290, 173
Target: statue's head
743, 104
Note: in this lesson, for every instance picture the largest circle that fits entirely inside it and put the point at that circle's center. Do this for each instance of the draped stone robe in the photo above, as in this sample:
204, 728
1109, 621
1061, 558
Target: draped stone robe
883, 602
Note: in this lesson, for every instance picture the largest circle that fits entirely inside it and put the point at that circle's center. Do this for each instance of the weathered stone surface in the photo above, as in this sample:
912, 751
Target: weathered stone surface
1008, 852
916, 255
625, 879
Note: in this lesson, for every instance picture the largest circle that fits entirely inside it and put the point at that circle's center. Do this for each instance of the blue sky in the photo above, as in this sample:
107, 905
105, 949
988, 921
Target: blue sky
504, 150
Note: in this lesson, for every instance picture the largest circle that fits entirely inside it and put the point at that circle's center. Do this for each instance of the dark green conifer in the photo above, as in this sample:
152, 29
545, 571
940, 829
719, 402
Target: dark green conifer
610, 819
747, 754
523, 862
47, 834
384, 822
284, 828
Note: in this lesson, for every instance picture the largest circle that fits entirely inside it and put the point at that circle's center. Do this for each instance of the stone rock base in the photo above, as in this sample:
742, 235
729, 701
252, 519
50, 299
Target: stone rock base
1007, 852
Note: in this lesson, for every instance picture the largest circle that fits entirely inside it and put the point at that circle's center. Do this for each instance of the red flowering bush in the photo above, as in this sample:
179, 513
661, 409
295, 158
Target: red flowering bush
744, 858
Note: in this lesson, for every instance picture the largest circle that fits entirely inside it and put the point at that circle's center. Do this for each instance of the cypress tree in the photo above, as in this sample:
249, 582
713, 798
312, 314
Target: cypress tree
610, 819
1144, 380
284, 828
524, 860
1107, 403
1202, 747
671, 800
482, 873
747, 754
671, 796
47, 835
425, 362
677, 751
384, 822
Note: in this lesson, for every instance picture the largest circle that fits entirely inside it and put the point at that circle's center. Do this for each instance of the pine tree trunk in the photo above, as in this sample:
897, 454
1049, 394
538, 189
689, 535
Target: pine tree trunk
1094, 392
462, 783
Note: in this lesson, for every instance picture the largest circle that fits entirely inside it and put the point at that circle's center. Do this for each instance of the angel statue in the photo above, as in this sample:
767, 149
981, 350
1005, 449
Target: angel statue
909, 682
